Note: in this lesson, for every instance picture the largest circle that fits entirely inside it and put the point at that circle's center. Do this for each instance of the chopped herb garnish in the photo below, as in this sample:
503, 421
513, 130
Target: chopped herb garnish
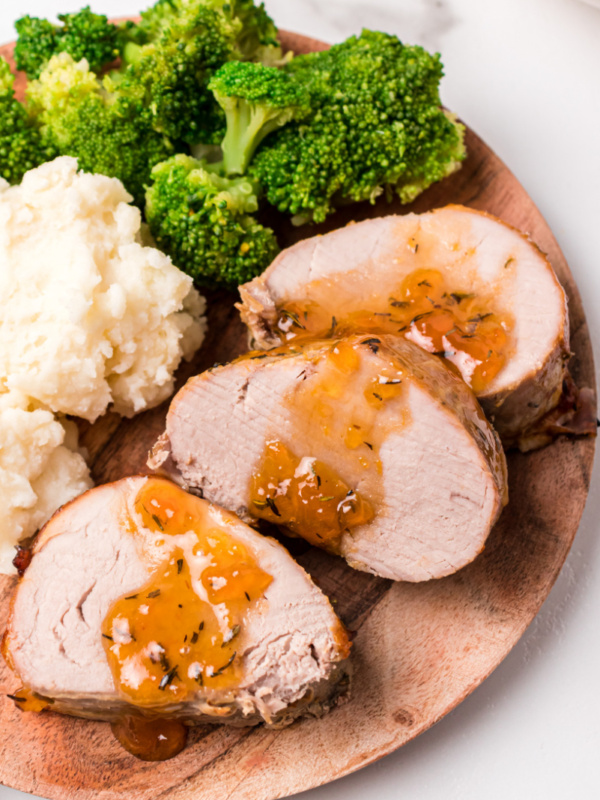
392, 382
16, 698
155, 593
106, 636
424, 283
420, 316
131, 597
200, 679
254, 358
382, 314
508, 262
168, 679
164, 662
378, 396
458, 297
158, 522
201, 626
247, 596
224, 667
231, 635
325, 499
195, 636
260, 503
369, 445
398, 303
179, 567
318, 477
294, 317
333, 326
480, 317
373, 344
272, 506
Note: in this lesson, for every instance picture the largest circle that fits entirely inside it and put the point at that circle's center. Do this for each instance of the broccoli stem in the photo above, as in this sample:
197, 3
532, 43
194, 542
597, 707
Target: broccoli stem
247, 126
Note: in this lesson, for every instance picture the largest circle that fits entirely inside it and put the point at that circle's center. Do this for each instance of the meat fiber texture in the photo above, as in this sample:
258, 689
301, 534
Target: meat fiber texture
476, 252
443, 473
40, 470
294, 659
90, 317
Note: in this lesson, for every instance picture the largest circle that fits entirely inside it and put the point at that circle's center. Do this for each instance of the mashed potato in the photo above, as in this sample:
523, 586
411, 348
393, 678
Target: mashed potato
89, 316
39, 470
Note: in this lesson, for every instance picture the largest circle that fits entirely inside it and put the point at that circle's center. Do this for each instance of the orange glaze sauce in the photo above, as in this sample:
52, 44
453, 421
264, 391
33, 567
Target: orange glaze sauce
303, 490
461, 326
180, 633
306, 496
27, 700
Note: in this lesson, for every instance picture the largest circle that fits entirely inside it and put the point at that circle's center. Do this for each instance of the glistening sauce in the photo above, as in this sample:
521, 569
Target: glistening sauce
180, 632
298, 482
462, 326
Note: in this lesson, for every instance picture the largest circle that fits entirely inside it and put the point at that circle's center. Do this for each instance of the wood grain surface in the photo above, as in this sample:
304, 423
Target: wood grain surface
419, 649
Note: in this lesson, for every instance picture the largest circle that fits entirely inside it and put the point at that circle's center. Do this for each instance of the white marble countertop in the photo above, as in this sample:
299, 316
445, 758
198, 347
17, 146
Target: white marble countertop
524, 74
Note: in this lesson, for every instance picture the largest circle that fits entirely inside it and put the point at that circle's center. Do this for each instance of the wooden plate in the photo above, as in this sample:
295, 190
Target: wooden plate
420, 648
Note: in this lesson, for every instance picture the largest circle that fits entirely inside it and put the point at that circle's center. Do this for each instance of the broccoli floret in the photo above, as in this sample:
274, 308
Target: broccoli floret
167, 79
21, 145
256, 100
82, 34
257, 39
80, 116
204, 222
376, 126
177, 47
36, 44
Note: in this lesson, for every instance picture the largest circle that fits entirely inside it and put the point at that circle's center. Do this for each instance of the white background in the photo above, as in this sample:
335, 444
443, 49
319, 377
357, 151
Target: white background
525, 74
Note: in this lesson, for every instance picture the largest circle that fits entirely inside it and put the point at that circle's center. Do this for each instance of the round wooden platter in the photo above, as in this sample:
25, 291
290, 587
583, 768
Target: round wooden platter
419, 648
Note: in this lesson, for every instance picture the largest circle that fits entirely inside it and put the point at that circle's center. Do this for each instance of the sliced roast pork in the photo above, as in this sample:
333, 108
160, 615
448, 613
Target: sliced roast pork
367, 446
458, 282
143, 599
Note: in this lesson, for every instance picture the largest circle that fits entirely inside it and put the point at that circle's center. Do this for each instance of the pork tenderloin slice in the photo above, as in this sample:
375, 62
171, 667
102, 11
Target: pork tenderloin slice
359, 267
431, 467
292, 648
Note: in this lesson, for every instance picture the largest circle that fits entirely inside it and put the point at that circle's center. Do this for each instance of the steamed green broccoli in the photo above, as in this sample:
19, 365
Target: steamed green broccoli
80, 116
256, 100
166, 79
82, 34
203, 221
21, 145
177, 47
254, 32
376, 126
257, 38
